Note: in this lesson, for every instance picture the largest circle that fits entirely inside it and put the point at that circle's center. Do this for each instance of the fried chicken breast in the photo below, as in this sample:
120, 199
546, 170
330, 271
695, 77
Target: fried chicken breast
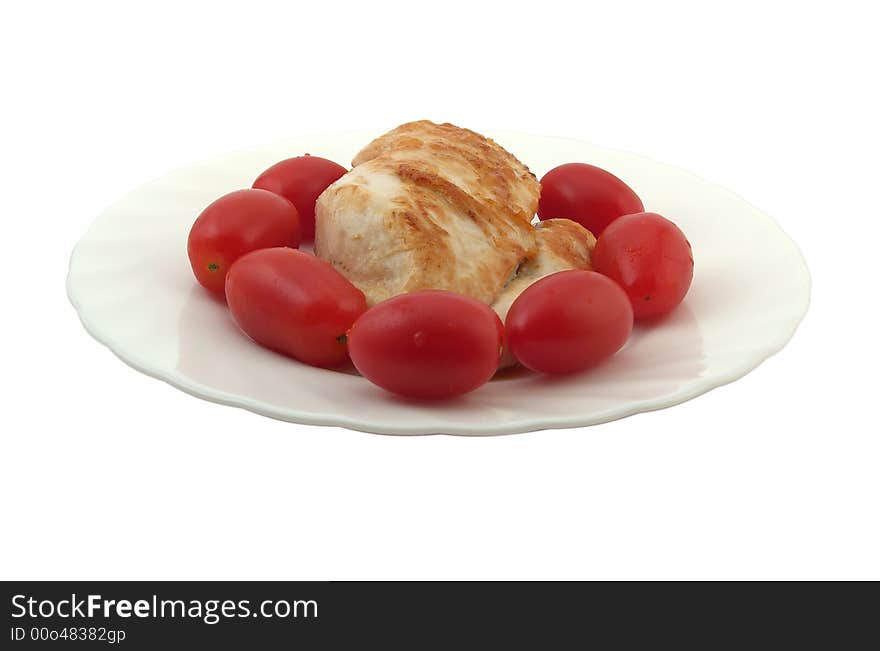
434, 206
429, 206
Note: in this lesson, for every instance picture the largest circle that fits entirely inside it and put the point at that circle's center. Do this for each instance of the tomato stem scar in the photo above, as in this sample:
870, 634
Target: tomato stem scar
213, 266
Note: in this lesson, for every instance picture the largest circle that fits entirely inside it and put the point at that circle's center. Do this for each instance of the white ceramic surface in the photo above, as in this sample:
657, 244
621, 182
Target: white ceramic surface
131, 284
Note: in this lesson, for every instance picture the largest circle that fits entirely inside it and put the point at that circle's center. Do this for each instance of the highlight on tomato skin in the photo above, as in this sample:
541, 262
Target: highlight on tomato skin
429, 345
586, 194
294, 303
650, 258
568, 322
301, 180
235, 224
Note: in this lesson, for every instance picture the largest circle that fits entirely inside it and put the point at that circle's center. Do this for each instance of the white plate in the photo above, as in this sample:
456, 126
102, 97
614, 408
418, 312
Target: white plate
131, 284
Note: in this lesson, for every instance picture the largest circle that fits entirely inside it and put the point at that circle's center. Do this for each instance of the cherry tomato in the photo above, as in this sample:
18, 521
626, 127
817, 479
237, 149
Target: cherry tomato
301, 180
568, 321
294, 303
587, 195
430, 344
235, 224
650, 258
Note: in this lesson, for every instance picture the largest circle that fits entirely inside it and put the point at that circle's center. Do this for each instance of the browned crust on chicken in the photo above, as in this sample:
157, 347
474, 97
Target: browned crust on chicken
449, 209
431, 153
567, 241
498, 169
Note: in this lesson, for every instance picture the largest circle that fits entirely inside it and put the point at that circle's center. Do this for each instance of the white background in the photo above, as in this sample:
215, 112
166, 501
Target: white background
105, 473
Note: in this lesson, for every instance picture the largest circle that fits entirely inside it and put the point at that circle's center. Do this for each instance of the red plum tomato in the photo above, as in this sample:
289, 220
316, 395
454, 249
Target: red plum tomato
235, 224
429, 344
650, 258
568, 322
294, 303
301, 180
587, 195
